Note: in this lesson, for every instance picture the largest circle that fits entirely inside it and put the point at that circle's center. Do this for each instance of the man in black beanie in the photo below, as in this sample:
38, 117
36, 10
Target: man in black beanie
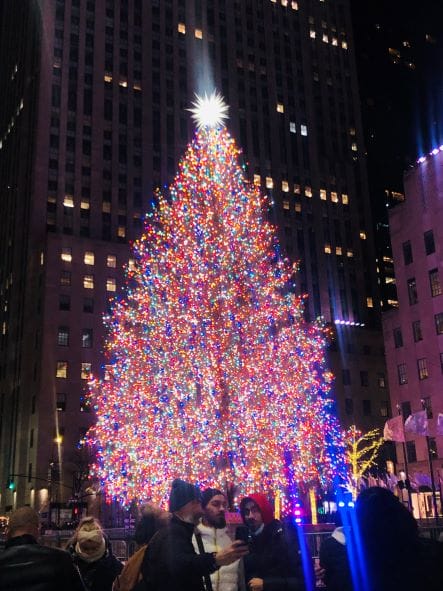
170, 562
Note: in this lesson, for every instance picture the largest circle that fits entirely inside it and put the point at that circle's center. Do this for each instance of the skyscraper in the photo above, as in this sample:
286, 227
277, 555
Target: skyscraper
94, 117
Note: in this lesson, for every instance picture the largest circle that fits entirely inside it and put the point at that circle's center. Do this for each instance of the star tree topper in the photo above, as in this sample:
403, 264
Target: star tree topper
209, 110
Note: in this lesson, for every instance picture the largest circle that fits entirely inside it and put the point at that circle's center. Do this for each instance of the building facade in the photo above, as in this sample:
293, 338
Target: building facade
94, 118
414, 332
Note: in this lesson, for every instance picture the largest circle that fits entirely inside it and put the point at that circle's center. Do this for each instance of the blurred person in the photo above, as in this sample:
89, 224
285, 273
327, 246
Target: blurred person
91, 553
25, 565
334, 559
170, 562
211, 536
274, 562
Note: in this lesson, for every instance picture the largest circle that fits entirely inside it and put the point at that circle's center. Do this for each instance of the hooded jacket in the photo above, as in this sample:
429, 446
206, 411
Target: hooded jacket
100, 574
274, 553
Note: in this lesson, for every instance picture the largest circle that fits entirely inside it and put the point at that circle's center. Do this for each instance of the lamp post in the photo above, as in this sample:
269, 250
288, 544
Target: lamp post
431, 468
407, 482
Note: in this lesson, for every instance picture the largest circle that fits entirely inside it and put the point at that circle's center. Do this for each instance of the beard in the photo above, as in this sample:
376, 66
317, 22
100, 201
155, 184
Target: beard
218, 522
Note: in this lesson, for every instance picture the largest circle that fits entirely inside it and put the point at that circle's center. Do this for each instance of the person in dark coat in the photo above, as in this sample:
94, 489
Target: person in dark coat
92, 554
334, 559
274, 559
25, 565
170, 562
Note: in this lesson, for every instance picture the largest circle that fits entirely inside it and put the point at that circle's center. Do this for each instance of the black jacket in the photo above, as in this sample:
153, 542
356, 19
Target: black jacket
334, 559
28, 566
98, 575
171, 563
274, 556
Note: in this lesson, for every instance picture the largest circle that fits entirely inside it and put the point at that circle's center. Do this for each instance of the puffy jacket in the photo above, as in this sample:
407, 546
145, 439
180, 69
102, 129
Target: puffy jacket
226, 578
25, 565
100, 574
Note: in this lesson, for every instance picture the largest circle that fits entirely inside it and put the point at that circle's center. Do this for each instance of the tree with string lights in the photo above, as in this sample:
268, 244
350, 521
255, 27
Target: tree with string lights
214, 375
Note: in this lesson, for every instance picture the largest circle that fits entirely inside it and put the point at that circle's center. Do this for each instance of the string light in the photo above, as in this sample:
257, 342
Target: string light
212, 374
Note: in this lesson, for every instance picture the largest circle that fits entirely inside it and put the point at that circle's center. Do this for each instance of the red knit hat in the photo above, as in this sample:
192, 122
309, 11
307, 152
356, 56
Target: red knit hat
262, 503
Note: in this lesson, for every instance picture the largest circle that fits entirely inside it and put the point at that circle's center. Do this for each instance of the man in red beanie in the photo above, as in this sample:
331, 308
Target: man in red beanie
274, 561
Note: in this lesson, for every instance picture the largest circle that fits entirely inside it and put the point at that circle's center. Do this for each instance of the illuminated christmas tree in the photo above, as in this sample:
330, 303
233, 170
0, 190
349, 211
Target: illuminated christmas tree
213, 375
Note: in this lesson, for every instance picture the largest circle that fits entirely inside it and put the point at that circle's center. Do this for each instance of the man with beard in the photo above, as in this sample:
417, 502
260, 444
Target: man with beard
274, 560
211, 536
170, 562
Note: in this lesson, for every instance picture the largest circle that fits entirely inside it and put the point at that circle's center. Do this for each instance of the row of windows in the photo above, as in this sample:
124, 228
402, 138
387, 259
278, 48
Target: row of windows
62, 370
417, 333
364, 378
422, 369
367, 407
86, 337
88, 281
429, 245
411, 451
88, 257
434, 285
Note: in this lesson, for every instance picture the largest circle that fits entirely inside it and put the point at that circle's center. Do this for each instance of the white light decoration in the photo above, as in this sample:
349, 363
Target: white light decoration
209, 111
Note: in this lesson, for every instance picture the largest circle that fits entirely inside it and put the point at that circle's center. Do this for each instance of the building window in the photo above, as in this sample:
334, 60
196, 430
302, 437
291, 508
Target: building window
62, 369
407, 253
285, 186
366, 408
412, 291
429, 242
384, 408
405, 409
402, 375
65, 278
269, 182
280, 108
88, 305
64, 302
66, 255
369, 302
292, 127
398, 337
89, 258
304, 130
439, 323
181, 28
87, 338
422, 367
88, 281
111, 261
110, 284
85, 372
433, 447
434, 281
349, 406
364, 378
427, 405
60, 404
411, 451
416, 331
63, 336
346, 377
381, 380
323, 194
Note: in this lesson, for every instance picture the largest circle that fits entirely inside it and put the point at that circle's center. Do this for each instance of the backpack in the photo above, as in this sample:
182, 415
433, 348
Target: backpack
131, 574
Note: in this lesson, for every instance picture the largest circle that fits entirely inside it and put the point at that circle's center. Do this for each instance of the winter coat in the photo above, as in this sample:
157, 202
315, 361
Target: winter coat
226, 578
25, 565
334, 559
274, 556
100, 574
171, 563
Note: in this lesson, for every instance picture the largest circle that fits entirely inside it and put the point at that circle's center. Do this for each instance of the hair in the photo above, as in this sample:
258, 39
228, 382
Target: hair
24, 518
150, 522
209, 493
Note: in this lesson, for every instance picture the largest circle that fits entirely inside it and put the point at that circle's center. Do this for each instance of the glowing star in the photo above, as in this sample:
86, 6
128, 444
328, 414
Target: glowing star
209, 111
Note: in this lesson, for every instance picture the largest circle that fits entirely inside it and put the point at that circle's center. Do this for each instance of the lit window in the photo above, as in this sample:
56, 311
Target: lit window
297, 189
325, 38
181, 28
285, 186
68, 201
84, 204
198, 34
280, 108
137, 87
286, 204
344, 44
328, 249
65, 278
284, 2
352, 131
106, 207
257, 179
111, 261
294, 5
85, 371
303, 130
308, 191
354, 147
131, 264
422, 366
110, 284
88, 281
108, 78
334, 197
269, 182
42, 258
334, 41
338, 250
123, 83
369, 302
434, 281
323, 195
363, 235
121, 232
63, 336
87, 338
345, 199
89, 258
349, 254
312, 34
298, 207
292, 127
62, 369
66, 255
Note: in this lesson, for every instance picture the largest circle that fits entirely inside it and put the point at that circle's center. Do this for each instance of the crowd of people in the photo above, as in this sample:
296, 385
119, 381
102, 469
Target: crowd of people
189, 548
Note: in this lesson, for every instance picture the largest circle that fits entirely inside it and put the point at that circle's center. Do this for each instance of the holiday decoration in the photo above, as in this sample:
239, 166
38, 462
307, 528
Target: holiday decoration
213, 374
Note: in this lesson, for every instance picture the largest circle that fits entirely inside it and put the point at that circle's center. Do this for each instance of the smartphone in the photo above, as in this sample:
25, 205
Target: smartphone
242, 533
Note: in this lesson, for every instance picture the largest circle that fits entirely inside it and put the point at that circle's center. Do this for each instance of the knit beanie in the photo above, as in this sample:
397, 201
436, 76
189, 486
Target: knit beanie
208, 494
182, 493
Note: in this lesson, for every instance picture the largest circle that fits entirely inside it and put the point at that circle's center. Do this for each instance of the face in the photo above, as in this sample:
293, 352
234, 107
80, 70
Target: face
214, 512
252, 516
196, 511
90, 546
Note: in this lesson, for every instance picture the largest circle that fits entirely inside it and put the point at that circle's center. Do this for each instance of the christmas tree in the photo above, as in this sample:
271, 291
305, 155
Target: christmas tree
213, 375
